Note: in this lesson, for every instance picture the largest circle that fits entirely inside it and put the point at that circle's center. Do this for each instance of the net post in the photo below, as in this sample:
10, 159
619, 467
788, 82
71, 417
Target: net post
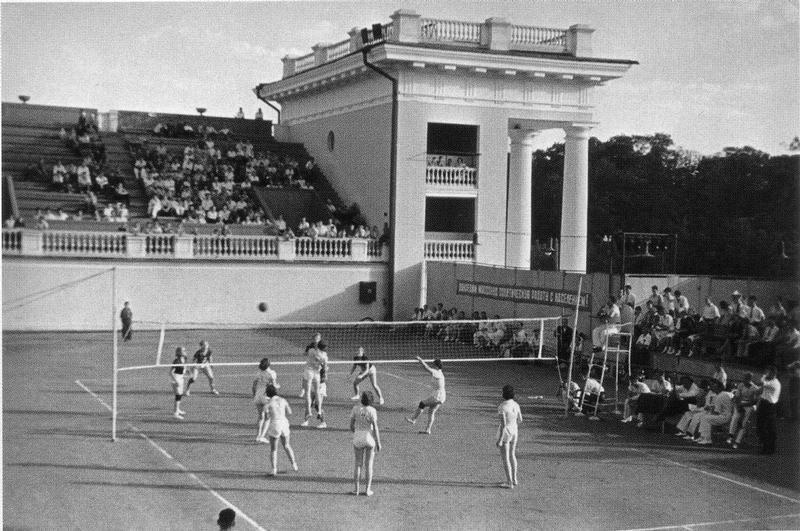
568, 401
115, 354
541, 337
161, 343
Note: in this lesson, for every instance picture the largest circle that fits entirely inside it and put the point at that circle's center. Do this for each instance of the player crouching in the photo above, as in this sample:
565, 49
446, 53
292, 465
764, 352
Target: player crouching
202, 360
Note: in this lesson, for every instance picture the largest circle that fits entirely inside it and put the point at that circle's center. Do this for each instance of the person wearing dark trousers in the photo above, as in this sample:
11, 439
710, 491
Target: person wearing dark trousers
766, 411
126, 316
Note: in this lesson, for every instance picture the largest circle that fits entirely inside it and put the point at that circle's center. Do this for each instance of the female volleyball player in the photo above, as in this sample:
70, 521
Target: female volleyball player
436, 399
316, 362
177, 378
266, 376
507, 432
275, 413
312, 345
366, 440
368, 370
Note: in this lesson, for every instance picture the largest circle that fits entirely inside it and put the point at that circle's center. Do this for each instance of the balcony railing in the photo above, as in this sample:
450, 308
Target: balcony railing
87, 244
493, 34
451, 176
450, 250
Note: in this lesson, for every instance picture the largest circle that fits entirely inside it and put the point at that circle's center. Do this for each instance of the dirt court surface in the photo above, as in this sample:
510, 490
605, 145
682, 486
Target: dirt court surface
61, 470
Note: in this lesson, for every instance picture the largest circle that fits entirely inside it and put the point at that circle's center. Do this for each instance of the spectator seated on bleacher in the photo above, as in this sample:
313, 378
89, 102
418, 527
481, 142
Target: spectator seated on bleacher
745, 398
680, 398
60, 183
690, 421
663, 330
636, 387
654, 401
593, 392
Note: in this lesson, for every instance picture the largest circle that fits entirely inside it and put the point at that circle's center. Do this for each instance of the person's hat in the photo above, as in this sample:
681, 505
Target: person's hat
226, 517
736, 294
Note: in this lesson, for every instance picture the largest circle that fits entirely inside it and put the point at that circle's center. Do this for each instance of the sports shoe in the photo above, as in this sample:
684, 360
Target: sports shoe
215, 391
506, 486
294, 467
262, 440
322, 426
729, 440
412, 421
181, 412
368, 493
381, 402
302, 393
187, 393
680, 433
640, 424
626, 420
304, 423
356, 397
704, 442
688, 437
178, 415
735, 446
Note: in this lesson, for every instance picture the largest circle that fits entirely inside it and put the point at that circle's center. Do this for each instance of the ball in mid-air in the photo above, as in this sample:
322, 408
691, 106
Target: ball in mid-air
262, 307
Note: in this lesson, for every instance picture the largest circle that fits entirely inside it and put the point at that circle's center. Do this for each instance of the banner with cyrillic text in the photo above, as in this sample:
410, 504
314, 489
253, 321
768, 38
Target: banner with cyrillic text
543, 296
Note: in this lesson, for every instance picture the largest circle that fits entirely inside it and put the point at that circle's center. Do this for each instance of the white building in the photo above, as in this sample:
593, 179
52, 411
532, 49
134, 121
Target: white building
463, 89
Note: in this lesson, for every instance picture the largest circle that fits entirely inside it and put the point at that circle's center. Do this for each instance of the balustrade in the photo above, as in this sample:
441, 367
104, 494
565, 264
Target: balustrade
438, 30
236, 247
323, 248
451, 176
160, 245
12, 241
450, 250
83, 243
533, 36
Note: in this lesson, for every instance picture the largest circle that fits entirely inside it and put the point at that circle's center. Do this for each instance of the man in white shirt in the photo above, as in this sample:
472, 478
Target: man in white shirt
611, 317
710, 311
757, 316
681, 303
765, 411
719, 416
626, 297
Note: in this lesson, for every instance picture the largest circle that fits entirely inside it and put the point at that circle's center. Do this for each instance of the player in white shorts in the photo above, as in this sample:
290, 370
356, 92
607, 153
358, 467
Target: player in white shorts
367, 370
436, 399
202, 359
312, 345
317, 361
266, 376
507, 433
177, 375
366, 440
275, 413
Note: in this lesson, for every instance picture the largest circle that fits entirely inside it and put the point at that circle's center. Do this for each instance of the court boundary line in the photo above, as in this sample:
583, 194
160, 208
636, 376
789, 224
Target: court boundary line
699, 524
177, 463
718, 476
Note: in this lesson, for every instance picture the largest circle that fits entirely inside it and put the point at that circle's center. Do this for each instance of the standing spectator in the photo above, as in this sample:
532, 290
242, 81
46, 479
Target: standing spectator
59, 177
655, 297
259, 114
627, 297
757, 315
710, 311
669, 300
563, 335
776, 310
765, 411
681, 303
739, 308
240, 113
126, 316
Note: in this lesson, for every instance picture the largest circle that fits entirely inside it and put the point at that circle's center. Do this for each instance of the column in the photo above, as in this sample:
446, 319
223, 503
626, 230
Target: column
520, 206
575, 200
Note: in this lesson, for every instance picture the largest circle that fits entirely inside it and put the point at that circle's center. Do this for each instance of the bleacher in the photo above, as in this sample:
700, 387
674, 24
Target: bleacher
31, 134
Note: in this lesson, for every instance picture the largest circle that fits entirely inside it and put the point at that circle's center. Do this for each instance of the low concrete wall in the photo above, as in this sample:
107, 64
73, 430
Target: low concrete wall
42, 115
65, 294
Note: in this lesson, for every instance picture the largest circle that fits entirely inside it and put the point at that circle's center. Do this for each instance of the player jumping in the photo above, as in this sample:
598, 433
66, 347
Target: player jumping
367, 370
317, 361
202, 359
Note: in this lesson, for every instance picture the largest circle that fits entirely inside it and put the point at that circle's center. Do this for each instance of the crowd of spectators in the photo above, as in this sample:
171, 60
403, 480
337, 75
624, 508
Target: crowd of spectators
500, 337
737, 330
84, 138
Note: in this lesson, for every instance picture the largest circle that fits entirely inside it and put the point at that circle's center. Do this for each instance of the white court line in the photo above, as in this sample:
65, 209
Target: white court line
691, 526
404, 379
707, 473
177, 463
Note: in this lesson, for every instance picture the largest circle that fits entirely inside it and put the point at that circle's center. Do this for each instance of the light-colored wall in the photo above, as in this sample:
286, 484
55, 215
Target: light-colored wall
358, 167
57, 294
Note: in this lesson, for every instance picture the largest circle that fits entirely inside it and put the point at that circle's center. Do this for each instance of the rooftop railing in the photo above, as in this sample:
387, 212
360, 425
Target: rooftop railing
85, 244
408, 27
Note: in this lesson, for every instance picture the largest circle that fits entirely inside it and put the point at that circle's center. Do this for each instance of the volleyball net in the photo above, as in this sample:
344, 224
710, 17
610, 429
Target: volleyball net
237, 352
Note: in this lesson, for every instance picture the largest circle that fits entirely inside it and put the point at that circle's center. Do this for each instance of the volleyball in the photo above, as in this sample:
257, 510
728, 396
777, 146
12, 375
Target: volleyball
262, 307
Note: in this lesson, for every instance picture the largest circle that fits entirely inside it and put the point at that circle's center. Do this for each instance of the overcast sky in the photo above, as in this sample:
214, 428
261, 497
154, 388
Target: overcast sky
711, 74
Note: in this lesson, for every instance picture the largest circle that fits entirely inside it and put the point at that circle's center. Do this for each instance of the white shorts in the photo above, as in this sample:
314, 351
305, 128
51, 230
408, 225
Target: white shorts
277, 428
177, 383
436, 398
365, 374
363, 439
310, 375
321, 389
509, 434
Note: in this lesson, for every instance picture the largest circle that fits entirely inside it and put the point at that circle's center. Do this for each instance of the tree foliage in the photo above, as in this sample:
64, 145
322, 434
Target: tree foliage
730, 211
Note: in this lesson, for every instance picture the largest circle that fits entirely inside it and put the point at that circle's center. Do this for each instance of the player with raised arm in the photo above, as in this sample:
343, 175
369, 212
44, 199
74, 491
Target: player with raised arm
202, 359
367, 370
177, 375
312, 345
366, 440
275, 414
317, 361
507, 433
266, 377
436, 399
